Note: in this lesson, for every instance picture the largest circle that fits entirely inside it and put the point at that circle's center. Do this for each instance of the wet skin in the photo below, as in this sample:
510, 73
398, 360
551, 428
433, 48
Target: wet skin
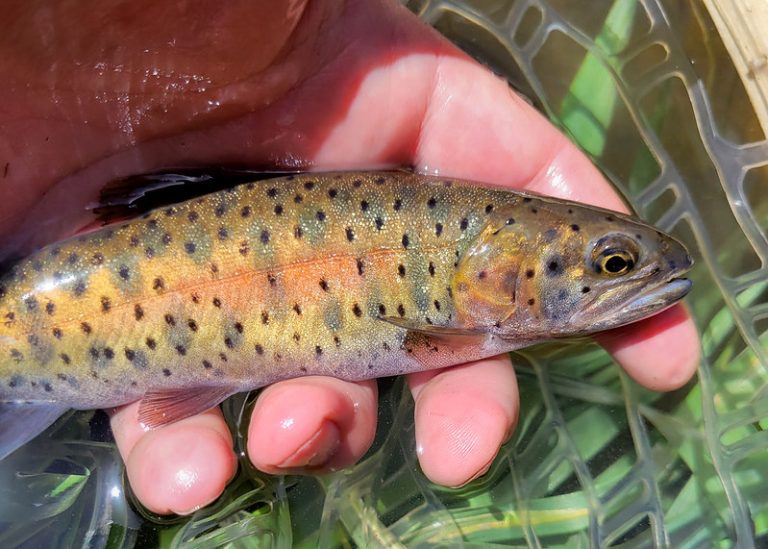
332, 85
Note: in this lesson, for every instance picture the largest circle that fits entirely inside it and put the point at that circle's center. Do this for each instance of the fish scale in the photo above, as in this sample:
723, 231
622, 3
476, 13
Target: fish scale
354, 275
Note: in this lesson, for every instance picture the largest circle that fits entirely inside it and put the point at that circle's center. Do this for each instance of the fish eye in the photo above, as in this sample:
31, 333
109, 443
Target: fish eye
614, 262
614, 254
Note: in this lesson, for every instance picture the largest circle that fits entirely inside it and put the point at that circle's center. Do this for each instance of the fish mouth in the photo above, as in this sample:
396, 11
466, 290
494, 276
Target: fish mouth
651, 301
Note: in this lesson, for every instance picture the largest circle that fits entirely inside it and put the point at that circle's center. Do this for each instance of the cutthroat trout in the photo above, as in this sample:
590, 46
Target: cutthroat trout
351, 275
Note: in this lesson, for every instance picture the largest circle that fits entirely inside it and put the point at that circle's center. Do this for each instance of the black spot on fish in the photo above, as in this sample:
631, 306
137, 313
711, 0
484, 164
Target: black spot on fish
272, 192
259, 349
229, 343
73, 258
223, 233
47, 387
530, 273
379, 223
318, 350
297, 232
360, 267
585, 290
575, 228
264, 236
296, 337
109, 354
332, 193
170, 320
463, 224
158, 284
106, 304
124, 272
323, 285
336, 341
379, 180
482, 275
639, 236
431, 203
214, 268
207, 365
489, 208
167, 238
401, 310
431, 269
86, 328
386, 346
192, 325
382, 309
50, 307
17, 355
181, 350
350, 234
151, 343
570, 210
265, 317
610, 218
33, 340
192, 216
149, 252
401, 270
320, 215
554, 267
55, 251
357, 183
130, 354
219, 211
534, 210
245, 212
79, 288
298, 199
31, 303
244, 248
364, 205
57, 333
190, 247
438, 229
152, 224
436, 303
356, 310
166, 372
223, 357
94, 352
531, 301
279, 209
406, 240
309, 185
138, 312
238, 327
271, 280
170, 212
397, 205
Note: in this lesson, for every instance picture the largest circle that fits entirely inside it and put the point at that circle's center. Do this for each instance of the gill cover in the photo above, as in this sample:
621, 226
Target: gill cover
486, 280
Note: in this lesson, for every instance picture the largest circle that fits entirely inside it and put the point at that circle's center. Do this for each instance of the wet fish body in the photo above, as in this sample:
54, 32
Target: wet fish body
352, 275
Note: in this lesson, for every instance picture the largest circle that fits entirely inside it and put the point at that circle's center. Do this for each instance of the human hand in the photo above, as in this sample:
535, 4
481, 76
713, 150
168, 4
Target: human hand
332, 85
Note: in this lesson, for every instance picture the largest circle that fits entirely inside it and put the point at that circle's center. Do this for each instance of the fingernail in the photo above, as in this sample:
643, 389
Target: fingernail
320, 447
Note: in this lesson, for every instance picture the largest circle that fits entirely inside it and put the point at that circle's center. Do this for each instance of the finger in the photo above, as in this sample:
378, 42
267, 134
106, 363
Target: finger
177, 468
661, 352
463, 416
312, 425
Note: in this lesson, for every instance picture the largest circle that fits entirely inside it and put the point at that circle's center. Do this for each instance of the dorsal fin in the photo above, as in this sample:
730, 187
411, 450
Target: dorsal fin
130, 197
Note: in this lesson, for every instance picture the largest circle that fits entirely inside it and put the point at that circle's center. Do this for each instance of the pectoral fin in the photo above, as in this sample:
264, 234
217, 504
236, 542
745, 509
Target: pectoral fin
158, 408
430, 329
20, 422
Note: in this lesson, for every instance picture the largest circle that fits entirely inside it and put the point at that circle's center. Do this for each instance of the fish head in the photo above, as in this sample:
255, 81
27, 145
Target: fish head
548, 268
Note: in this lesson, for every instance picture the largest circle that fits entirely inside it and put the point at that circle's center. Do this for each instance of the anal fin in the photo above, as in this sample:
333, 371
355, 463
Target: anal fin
21, 421
162, 407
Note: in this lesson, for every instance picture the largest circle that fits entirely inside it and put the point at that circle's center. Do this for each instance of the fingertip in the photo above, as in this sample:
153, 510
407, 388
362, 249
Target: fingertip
312, 425
661, 352
463, 416
182, 467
